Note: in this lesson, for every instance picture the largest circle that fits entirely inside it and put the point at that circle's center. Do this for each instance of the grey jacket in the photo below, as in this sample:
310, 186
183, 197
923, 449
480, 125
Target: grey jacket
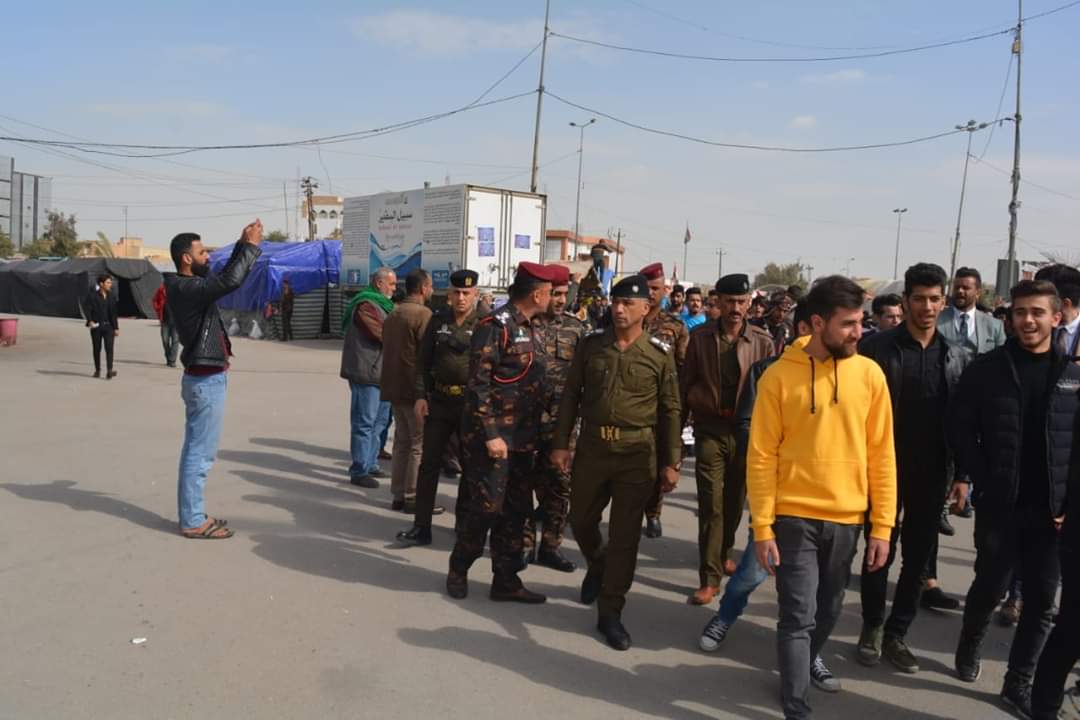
362, 356
989, 331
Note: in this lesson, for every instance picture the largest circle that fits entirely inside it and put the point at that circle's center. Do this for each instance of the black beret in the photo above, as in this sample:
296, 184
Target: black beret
632, 286
464, 278
737, 284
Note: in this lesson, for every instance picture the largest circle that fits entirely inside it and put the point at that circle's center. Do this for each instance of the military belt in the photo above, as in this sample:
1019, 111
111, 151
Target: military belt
615, 433
450, 390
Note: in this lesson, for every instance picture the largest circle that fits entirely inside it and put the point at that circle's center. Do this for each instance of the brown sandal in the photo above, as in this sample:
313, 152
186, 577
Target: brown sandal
210, 530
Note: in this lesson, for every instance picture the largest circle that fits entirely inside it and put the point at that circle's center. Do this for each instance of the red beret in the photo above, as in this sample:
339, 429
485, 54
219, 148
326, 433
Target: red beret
652, 272
534, 273
560, 275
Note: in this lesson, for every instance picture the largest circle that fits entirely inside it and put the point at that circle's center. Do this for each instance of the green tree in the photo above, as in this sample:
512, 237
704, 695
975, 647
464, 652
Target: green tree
7, 248
39, 248
61, 236
276, 236
775, 274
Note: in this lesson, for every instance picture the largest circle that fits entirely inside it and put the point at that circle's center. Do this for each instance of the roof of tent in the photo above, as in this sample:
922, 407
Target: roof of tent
308, 266
56, 288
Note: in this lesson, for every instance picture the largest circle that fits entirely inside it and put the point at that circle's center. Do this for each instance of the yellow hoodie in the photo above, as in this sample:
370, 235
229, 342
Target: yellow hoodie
821, 444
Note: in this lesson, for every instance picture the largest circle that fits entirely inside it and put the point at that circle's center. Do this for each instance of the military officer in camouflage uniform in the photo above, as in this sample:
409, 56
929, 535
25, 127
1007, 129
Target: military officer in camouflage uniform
504, 399
558, 333
442, 370
624, 387
669, 329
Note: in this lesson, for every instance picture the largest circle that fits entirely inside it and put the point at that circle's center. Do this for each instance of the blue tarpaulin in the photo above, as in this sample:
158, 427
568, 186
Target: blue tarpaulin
308, 266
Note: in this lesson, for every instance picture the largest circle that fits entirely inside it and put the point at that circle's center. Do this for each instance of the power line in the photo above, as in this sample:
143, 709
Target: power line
167, 150
745, 146
823, 58
1007, 173
997, 113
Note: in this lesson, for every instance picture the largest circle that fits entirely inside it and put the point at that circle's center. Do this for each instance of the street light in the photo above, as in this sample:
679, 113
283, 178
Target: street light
581, 155
896, 259
847, 267
971, 128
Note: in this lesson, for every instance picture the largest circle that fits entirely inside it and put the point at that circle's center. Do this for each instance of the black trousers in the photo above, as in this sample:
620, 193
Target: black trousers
286, 326
442, 424
170, 342
102, 335
1062, 648
917, 532
1027, 541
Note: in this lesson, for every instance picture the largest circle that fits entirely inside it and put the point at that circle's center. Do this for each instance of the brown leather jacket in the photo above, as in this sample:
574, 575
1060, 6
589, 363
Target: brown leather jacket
401, 333
701, 370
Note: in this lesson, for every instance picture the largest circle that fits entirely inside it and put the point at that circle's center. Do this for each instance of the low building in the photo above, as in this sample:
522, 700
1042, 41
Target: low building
565, 246
25, 202
329, 214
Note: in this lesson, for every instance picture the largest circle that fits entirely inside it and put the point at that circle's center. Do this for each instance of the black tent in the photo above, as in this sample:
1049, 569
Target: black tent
42, 287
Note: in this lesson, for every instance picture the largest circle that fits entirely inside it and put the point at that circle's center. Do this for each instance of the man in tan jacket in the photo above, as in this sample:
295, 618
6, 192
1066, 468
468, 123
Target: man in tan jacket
718, 358
402, 331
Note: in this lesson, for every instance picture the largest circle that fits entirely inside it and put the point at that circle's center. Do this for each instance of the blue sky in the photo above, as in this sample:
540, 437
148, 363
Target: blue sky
237, 73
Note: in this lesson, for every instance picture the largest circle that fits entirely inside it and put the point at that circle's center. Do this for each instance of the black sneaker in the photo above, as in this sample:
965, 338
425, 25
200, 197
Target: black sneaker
869, 647
935, 599
896, 651
1016, 694
822, 678
364, 481
944, 526
968, 663
713, 634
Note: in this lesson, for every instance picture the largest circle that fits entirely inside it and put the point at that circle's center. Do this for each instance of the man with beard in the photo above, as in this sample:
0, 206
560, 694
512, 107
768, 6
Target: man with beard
442, 371
1012, 426
623, 385
191, 296
962, 323
503, 402
717, 362
695, 309
820, 454
677, 301
669, 329
921, 369
558, 333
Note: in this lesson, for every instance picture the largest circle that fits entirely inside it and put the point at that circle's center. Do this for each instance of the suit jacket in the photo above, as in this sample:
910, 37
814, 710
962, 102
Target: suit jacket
989, 331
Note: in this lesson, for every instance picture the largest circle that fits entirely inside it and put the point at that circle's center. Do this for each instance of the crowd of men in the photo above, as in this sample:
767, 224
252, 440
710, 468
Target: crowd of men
559, 404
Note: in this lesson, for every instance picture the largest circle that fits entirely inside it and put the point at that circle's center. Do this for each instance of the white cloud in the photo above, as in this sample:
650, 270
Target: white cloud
188, 108
434, 33
840, 77
803, 121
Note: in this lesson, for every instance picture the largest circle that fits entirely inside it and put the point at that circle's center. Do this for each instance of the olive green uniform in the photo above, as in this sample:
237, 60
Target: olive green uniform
442, 372
628, 402
669, 329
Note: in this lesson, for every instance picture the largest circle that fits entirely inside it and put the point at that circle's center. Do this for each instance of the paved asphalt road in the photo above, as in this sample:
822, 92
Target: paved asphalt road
311, 611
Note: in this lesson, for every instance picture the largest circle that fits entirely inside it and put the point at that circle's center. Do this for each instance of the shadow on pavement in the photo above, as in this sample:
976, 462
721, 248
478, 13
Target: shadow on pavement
284, 463
88, 375
298, 446
65, 492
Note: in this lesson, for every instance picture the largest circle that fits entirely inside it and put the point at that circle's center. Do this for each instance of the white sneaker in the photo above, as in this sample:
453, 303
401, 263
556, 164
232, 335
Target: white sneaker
713, 634
822, 678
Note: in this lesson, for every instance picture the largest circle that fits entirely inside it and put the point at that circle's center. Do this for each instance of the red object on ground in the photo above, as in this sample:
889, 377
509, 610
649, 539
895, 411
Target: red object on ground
9, 330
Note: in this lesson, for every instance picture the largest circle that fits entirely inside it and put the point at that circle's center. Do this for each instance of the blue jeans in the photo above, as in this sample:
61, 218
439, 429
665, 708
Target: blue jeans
745, 581
204, 407
369, 418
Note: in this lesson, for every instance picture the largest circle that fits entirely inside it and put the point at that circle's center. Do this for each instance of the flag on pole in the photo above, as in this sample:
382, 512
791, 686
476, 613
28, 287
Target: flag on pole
686, 238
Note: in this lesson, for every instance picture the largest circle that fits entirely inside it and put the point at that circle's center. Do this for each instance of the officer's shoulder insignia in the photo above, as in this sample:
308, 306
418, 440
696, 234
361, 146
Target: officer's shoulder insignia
595, 333
503, 318
661, 345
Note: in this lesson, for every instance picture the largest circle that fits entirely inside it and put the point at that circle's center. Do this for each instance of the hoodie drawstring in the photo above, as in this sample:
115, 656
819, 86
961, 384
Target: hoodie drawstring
813, 382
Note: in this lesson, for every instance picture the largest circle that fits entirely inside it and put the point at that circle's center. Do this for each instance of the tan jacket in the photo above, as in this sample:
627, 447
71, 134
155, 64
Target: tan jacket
701, 371
401, 334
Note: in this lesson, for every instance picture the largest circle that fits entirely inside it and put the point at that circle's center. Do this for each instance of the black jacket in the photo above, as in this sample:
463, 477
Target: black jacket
192, 303
745, 408
883, 347
101, 310
985, 425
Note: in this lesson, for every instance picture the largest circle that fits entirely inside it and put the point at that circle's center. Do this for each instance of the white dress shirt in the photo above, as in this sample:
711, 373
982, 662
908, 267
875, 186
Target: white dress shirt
970, 323
1070, 333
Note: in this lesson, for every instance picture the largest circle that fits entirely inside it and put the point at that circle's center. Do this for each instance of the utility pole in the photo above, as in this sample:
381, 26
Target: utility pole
1014, 204
581, 156
719, 264
309, 185
125, 221
972, 127
896, 259
540, 99
618, 252
285, 205
809, 274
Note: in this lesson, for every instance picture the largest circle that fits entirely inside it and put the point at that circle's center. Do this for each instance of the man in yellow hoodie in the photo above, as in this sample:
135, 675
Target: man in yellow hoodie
820, 462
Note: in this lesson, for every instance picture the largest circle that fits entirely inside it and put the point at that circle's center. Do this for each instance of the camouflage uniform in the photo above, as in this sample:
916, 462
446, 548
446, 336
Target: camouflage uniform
669, 329
442, 372
504, 400
557, 338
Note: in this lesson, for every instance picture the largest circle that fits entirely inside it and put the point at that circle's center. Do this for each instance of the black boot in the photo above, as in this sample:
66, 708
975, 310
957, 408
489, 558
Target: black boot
613, 631
944, 526
591, 585
653, 528
457, 585
554, 559
415, 535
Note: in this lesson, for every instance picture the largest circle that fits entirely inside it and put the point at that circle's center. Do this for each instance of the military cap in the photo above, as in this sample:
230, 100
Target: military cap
561, 275
632, 286
652, 272
737, 284
464, 278
530, 273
